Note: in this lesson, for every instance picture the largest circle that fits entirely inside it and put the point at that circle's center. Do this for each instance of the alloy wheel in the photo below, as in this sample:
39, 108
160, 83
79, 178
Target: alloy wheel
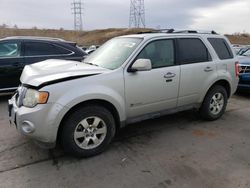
216, 103
90, 132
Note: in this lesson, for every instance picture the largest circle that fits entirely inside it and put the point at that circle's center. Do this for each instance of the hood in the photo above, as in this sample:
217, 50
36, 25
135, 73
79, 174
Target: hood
53, 71
244, 60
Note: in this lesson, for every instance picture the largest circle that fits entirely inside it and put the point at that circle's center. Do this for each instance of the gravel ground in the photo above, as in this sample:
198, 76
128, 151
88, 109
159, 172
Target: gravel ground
177, 150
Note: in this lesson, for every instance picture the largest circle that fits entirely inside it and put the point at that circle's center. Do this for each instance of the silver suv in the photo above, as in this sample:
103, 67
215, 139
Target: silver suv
128, 79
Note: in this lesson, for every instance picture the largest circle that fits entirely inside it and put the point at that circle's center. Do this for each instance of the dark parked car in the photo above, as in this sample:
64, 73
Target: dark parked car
16, 52
244, 82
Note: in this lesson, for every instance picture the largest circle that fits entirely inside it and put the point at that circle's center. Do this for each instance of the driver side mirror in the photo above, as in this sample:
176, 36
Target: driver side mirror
141, 65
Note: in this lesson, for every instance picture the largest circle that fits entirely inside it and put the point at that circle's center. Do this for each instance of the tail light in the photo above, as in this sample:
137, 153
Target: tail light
237, 69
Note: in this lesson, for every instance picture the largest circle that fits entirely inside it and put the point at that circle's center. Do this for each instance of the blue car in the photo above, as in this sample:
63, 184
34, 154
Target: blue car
244, 82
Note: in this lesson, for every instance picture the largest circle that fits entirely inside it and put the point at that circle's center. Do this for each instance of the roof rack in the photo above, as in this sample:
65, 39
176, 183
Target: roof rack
156, 31
34, 37
146, 32
195, 31
178, 31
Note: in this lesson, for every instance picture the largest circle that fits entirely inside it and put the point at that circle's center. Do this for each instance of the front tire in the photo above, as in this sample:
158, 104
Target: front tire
214, 104
88, 131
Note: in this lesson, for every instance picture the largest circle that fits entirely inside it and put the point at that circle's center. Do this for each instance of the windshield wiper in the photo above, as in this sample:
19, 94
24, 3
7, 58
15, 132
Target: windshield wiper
91, 64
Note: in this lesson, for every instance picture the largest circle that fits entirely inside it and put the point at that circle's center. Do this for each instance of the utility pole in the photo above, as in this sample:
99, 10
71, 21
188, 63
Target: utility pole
137, 14
77, 10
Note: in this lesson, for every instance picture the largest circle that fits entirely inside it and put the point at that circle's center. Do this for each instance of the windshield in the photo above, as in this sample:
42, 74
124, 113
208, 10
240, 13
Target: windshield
246, 53
113, 53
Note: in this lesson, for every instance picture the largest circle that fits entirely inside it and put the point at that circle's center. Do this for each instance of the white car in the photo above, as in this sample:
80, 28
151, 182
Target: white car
128, 79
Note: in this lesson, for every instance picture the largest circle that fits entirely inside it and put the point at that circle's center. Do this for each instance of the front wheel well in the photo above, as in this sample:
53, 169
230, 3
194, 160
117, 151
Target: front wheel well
109, 106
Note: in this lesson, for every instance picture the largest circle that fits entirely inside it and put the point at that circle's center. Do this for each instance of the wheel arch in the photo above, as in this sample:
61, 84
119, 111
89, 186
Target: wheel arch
222, 82
225, 84
106, 104
205, 109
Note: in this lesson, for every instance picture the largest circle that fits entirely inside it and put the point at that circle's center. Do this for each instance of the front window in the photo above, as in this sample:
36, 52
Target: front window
113, 53
160, 52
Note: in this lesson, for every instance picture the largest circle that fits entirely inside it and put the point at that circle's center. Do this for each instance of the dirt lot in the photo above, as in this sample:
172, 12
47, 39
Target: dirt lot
173, 151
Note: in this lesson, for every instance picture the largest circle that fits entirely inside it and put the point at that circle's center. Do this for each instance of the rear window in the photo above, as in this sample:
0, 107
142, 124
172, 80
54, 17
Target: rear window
221, 48
192, 50
39, 48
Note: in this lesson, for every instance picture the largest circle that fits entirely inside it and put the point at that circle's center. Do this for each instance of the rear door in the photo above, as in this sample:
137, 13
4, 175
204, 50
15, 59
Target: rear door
197, 69
155, 90
11, 64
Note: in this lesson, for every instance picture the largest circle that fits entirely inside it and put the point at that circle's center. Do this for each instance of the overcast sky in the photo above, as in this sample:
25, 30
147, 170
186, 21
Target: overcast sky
223, 16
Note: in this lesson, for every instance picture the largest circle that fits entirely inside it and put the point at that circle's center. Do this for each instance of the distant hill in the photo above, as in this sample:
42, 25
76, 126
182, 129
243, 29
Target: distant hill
85, 38
239, 39
95, 37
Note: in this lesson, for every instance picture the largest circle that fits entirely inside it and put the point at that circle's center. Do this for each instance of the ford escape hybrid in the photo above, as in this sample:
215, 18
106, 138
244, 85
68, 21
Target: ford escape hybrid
128, 79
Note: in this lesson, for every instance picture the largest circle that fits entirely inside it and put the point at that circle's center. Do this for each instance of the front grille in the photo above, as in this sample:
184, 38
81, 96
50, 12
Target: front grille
245, 69
244, 82
20, 93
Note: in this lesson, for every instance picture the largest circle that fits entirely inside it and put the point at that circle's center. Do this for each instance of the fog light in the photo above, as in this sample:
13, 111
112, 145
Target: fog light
27, 127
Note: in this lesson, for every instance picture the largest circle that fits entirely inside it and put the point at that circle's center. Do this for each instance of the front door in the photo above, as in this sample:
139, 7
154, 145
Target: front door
11, 65
155, 90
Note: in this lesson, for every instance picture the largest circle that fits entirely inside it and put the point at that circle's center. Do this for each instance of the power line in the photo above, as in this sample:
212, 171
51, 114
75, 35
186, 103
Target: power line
137, 14
77, 8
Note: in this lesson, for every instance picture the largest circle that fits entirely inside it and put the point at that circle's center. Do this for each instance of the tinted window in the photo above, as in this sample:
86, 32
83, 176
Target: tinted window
192, 51
38, 48
221, 47
160, 52
9, 49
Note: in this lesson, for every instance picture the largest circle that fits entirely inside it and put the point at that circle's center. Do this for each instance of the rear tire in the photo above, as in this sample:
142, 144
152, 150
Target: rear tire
88, 131
214, 104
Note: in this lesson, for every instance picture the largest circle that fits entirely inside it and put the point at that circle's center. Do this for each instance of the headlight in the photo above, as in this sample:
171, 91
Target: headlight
34, 97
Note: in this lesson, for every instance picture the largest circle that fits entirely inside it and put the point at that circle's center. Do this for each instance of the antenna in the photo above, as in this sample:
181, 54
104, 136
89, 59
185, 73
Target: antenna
77, 11
137, 14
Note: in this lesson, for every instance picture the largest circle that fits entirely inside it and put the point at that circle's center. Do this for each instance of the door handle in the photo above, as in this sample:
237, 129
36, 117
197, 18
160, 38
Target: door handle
169, 75
208, 69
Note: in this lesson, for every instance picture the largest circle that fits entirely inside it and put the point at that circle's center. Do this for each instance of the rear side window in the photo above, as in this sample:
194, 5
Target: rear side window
221, 47
39, 48
192, 50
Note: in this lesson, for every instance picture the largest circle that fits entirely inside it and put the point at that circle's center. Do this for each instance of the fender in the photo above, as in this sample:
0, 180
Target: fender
62, 95
221, 78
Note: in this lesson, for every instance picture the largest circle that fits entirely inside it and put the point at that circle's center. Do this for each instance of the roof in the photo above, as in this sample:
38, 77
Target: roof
153, 34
